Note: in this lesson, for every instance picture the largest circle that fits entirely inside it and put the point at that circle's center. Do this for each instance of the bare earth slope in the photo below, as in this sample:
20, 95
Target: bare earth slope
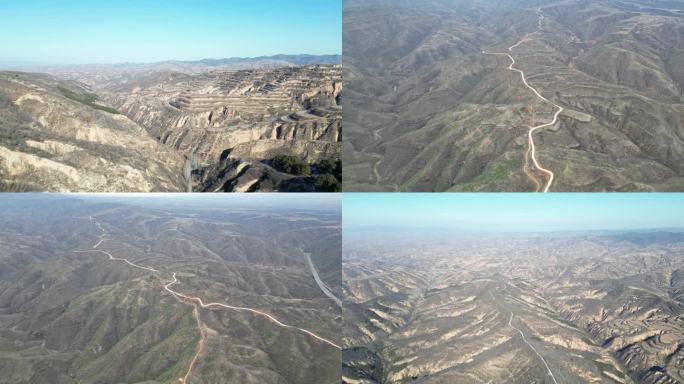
233, 123
208, 126
427, 110
55, 136
544, 309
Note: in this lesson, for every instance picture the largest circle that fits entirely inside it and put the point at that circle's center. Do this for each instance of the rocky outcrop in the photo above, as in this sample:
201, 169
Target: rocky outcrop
310, 151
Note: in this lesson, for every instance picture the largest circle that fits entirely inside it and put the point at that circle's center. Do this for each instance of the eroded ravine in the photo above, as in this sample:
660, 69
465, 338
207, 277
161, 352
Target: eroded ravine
197, 304
559, 109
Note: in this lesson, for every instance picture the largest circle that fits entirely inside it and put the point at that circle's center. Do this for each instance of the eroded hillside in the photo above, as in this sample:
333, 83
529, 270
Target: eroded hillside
234, 123
94, 292
105, 128
575, 309
434, 103
58, 136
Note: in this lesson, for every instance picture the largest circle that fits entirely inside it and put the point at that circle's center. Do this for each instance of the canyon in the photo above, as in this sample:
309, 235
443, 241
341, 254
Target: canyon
202, 126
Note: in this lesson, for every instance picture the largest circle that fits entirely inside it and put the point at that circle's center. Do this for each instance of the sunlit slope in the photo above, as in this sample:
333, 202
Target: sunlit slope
572, 309
58, 136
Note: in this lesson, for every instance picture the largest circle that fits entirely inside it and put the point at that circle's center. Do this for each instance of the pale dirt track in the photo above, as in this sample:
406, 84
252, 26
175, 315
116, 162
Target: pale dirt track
326, 290
530, 133
510, 324
197, 303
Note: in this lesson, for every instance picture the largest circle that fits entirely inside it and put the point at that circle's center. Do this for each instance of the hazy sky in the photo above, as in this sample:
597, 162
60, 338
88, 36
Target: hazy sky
315, 201
515, 212
86, 31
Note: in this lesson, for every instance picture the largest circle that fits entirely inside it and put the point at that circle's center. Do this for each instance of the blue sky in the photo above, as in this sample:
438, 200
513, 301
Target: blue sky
80, 31
515, 212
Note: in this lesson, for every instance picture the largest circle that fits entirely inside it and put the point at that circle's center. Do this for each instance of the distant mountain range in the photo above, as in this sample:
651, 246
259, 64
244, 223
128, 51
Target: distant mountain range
260, 62
292, 59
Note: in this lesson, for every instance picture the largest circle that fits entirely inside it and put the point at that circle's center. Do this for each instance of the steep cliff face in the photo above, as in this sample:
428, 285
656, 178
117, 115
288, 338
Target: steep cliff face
57, 136
212, 113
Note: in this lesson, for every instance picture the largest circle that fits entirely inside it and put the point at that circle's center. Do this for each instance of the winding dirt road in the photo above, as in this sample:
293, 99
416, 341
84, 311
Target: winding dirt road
510, 324
197, 303
202, 304
200, 345
378, 159
530, 133
322, 284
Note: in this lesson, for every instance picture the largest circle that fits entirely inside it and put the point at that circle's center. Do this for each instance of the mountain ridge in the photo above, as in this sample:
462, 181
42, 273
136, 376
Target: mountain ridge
236, 62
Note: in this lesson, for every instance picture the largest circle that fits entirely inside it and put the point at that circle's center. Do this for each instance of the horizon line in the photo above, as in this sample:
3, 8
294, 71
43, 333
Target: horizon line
511, 231
265, 56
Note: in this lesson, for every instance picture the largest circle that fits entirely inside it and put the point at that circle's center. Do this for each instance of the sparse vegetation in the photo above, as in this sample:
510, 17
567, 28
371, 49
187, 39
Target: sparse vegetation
603, 367
118, 324
291, 164
423, 116
47, 124
86, 98
329, 177
327, 183
525, 306
492, 177
56, 117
